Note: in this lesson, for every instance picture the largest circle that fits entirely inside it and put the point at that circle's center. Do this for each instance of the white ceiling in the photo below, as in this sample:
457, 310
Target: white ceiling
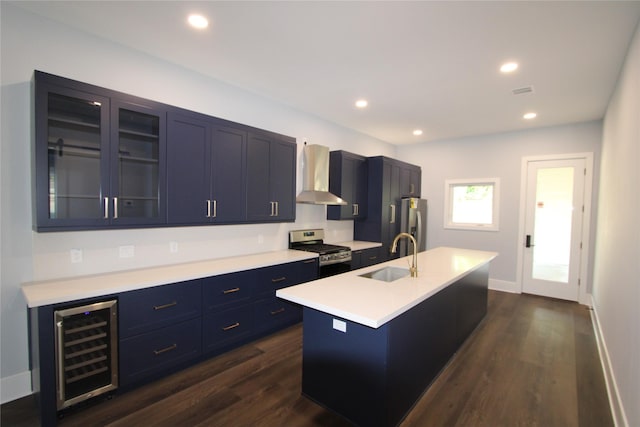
427, 65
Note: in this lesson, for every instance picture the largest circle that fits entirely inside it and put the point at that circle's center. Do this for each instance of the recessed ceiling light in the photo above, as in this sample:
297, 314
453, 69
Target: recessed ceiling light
509, 67
361, 103
530, 116
198, 21
417, 132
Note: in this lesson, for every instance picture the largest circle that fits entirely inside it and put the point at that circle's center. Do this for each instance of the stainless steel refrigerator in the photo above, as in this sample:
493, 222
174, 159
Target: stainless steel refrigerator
413, 220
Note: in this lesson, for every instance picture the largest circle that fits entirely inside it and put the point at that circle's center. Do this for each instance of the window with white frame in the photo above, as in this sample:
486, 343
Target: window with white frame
472, 204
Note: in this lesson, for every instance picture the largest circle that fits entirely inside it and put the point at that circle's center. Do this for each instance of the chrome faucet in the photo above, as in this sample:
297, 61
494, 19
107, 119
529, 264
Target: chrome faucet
414, 265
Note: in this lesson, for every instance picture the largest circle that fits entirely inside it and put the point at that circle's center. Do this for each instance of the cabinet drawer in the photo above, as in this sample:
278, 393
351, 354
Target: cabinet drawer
274, 312
149, 309
153, 352
268, 279
227, 290
223, 328
371, 256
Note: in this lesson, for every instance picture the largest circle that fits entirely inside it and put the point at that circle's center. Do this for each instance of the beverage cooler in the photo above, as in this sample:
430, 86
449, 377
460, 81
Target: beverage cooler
86, 351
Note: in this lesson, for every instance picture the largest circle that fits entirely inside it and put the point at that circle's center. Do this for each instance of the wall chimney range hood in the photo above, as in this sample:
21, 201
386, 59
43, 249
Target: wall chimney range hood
315, 184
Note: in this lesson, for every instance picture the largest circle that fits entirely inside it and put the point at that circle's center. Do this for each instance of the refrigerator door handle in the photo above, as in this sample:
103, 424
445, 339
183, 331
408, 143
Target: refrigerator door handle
419, 221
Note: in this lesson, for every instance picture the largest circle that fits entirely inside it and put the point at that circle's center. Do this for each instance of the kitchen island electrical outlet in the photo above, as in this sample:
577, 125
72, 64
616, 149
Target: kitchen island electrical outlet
173, 247
340, 325
76, 256
127, 251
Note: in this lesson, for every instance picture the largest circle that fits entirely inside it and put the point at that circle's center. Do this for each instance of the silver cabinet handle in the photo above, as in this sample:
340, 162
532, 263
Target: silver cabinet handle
115, 208
412, 189
164, 350
356, 209
393, 214
277, 208
163, 306
278, 311
278, 279
215, 208
230, 291
106, 208
228, 328
208, 208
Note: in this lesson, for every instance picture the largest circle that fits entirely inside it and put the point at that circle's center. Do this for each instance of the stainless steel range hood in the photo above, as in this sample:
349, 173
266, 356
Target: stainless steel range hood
315, 185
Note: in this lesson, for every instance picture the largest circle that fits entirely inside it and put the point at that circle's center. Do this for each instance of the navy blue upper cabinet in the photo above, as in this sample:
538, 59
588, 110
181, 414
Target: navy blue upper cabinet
99, 159
410, 180
389, 180
348, 179
105, 159
271, 178
206, 171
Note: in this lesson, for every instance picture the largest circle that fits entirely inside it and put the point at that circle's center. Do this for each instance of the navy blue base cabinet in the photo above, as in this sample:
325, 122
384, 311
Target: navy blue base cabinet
167, 328
373, 377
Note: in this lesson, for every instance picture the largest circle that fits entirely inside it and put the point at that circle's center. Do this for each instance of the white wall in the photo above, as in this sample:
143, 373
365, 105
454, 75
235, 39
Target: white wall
616, 287
489, 156
30, 42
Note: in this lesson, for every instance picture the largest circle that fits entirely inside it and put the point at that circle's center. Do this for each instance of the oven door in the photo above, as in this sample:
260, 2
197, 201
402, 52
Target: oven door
333, 269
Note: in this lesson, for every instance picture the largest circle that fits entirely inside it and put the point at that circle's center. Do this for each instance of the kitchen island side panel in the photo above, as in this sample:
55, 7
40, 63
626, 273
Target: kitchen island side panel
373, 377
345, 371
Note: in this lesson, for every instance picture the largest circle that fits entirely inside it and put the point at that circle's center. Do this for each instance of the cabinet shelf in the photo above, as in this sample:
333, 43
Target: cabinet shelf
73, 122
139, 134
129, 158
74, 150
77, 196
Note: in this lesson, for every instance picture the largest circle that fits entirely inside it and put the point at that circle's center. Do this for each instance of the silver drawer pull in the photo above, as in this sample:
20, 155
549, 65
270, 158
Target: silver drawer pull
164, 350
228, 328
230, 291
279, 279
309, 261
160, 307
373, 257
278, 311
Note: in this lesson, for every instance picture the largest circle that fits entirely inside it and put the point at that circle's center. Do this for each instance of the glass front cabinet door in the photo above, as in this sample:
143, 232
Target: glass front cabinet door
137, 165
98, 161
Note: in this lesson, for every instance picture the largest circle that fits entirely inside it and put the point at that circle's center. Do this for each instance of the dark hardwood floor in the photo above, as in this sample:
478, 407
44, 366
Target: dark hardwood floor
532, 362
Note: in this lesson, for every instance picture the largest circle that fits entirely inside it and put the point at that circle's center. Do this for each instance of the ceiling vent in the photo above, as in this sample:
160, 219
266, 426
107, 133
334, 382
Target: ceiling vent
522, 90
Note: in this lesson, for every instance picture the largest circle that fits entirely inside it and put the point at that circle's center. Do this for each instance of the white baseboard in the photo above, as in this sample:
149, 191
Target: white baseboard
15, 387
617, 409
504, 286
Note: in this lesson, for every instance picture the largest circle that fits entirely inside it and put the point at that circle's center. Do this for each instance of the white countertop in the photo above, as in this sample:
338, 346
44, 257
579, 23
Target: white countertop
74, 288
357, 245
372, 302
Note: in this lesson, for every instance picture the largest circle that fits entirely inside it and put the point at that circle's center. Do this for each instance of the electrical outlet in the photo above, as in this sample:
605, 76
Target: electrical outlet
76, 256
340, 325
127, 251
173, 247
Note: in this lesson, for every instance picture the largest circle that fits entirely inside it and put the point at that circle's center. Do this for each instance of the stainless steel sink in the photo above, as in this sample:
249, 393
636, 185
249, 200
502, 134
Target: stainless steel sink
387, 274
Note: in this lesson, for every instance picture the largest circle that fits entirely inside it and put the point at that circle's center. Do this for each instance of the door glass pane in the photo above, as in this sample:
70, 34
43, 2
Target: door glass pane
138, 153
552, 224
73, 138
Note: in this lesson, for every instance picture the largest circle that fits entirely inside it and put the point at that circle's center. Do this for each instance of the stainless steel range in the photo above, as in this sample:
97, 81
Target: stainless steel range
333, 259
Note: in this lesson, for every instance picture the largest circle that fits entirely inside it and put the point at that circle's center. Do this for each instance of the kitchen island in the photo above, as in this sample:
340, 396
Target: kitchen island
371, 347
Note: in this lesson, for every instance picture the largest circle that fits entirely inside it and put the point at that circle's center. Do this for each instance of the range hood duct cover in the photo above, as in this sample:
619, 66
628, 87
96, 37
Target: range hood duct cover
315, 185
